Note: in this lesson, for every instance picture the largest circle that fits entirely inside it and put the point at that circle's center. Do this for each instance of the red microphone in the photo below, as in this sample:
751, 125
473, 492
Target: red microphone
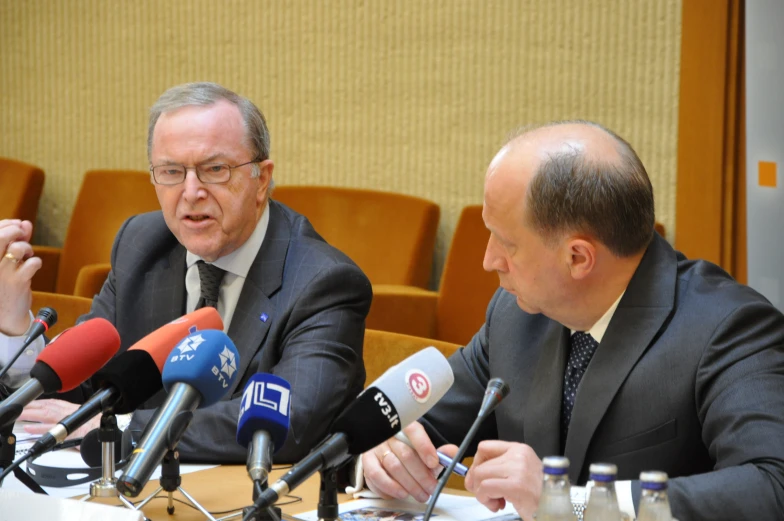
65, 363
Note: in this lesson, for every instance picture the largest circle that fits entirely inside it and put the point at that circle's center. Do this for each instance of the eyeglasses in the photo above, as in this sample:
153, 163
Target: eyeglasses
208, 173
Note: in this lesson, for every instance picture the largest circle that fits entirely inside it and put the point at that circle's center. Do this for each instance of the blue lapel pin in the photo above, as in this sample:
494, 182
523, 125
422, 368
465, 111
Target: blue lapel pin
263, 317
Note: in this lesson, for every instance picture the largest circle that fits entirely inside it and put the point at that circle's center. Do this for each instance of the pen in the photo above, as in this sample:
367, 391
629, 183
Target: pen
443, 459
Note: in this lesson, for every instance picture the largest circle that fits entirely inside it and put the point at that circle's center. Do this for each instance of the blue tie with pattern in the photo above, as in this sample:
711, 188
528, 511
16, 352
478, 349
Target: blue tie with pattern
581, 349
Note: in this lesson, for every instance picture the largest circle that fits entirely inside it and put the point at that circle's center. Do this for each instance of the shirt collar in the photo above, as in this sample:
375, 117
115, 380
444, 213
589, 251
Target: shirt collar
240, 260
600, 327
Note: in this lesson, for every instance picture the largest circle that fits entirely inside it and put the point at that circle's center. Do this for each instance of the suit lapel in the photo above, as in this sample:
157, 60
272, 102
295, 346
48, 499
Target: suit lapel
255, 310
542, 412
645, 306
165, 290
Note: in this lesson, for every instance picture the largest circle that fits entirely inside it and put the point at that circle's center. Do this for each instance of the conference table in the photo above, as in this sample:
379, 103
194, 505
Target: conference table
222, 490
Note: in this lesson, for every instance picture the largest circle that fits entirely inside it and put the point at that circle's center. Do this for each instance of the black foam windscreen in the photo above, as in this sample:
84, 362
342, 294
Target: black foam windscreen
47, 376
92, 451
135, 375
368, 421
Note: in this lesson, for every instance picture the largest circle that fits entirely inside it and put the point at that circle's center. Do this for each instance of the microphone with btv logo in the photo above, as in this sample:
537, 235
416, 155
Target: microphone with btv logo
64, 364
46, 318
131, 378
264, 421
399, 396
199, 372
495, 391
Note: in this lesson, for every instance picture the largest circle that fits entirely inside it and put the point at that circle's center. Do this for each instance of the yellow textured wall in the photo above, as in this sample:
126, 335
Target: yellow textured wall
404, 95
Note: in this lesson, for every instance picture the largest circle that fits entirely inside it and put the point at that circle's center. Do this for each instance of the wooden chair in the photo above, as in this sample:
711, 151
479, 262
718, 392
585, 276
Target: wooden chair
383, 349
21, 189
69, 308
390, 236
455, 312
106, 199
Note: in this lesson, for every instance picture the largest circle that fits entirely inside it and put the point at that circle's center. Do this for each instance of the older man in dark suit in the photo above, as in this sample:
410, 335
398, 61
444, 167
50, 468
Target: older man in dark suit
616, 348
292, 304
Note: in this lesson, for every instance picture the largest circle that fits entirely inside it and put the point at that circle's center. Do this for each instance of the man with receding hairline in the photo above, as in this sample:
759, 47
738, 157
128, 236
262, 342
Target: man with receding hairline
617, 348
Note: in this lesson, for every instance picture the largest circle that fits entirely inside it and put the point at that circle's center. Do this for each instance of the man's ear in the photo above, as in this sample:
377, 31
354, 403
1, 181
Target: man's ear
265, 178
582, 257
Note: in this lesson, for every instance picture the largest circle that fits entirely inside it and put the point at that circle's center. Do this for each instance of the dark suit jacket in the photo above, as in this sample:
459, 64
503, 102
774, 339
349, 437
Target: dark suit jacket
688, 379
316, 299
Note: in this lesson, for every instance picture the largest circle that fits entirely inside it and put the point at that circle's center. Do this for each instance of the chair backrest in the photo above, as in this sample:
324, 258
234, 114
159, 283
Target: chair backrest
68, 307
466, 288
383, 349
21, 189
390, 236
106, 199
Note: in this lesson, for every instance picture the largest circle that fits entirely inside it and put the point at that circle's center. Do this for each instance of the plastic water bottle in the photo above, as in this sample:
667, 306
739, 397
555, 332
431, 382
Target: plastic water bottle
654, 505
555, 503
602, 501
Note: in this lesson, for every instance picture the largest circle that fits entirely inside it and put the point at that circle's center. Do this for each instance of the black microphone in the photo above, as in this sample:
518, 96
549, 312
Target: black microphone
46, 318
128, 381
398, 397
495, 391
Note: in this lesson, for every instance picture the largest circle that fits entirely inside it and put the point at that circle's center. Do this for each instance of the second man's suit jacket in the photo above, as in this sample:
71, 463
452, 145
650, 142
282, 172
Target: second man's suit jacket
688, 379
315, 300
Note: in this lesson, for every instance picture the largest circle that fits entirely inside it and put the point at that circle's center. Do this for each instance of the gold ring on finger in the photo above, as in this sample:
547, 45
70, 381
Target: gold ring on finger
10, 256
387, 453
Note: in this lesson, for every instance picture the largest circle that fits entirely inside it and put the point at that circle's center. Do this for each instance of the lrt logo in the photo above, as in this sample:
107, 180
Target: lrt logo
228, 367
387, 409
187, 348
418, 385
266, 394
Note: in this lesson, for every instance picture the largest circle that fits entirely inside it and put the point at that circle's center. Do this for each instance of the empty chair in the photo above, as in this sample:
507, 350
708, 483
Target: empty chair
106, 199
390, 236
21, 189
68, 307
457, 310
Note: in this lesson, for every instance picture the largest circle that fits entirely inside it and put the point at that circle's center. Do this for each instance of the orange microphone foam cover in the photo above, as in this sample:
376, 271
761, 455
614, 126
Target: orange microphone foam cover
80, 351
160, 342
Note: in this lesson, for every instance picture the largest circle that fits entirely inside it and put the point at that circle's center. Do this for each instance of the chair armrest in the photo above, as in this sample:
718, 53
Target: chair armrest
45, 279
403, 309
90, 279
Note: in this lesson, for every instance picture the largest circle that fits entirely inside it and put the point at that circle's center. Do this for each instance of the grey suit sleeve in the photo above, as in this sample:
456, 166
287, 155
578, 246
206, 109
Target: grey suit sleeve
320, 356
740, 398
451, 418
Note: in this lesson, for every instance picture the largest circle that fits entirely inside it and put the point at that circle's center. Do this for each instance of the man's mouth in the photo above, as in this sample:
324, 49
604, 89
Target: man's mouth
197, 218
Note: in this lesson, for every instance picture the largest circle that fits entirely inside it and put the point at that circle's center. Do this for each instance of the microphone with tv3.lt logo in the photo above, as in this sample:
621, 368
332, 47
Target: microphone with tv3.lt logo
264, 421
200, 371
46, 318
131, 378
65, 363
398, 397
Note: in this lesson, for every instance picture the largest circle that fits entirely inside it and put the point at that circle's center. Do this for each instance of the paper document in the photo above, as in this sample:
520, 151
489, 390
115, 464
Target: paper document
449, 508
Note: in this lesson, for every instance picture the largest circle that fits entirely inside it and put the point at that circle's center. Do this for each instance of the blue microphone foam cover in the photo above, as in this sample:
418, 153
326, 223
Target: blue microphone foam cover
207, 360
266, 406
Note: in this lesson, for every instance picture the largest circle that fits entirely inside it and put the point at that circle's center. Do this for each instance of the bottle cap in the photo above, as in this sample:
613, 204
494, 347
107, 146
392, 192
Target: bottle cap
653, 480
603, 472
556, 465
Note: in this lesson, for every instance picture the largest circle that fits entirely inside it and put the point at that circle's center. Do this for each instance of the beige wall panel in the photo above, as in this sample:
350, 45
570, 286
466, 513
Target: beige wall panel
406, 95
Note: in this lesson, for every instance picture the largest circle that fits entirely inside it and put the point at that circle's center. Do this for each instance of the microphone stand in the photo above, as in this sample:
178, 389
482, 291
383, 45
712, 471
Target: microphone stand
272, 513
106, 486
328, 495
7, 455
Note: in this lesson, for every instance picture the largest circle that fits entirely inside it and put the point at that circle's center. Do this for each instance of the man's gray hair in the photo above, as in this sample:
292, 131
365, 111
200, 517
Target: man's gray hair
206, 93
610, 199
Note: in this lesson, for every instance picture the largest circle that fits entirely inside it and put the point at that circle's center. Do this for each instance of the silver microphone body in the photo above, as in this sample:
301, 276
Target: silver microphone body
155, 442
260, 456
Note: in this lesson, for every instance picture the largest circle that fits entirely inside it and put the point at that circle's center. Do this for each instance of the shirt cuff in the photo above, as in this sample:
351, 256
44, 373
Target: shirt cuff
20, 371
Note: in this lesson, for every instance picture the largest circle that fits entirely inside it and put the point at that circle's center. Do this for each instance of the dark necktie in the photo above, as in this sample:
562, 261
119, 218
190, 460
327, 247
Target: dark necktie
210, 277
581, 349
